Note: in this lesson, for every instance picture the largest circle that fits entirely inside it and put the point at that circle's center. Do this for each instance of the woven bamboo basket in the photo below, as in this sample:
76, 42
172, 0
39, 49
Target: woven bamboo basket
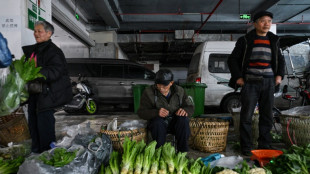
208, 134
13, 128
298, 128
118, 137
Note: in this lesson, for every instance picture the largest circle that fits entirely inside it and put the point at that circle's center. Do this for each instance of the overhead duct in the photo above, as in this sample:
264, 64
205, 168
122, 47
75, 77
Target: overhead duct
104, 9
65, 20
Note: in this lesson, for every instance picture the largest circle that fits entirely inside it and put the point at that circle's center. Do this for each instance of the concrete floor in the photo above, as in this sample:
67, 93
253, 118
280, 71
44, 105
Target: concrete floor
64, 120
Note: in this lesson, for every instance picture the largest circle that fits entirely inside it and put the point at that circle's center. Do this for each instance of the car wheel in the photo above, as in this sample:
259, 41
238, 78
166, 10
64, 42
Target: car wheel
230, 102
92, 107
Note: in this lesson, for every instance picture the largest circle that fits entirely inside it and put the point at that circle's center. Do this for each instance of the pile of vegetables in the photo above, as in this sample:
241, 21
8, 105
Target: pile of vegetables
12, 88
242, 168
58, 158
139, 158
294, 160
8, 166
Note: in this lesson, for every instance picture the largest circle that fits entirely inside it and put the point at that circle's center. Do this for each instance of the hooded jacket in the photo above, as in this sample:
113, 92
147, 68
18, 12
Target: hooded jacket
238, 61
56, 88
149, 106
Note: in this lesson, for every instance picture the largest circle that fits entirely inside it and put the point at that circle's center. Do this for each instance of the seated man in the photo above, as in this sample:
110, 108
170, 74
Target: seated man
167, 108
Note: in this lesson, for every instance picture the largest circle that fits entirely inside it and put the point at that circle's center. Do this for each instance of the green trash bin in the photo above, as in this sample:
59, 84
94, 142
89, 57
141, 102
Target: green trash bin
197, 92
137, 93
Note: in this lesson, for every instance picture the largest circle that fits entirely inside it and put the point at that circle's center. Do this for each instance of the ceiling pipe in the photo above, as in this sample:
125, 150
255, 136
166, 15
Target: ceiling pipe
217, 5
157, 31
122, 14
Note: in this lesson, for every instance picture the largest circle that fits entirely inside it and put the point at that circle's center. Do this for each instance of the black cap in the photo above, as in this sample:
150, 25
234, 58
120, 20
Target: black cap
164, 77
261, 14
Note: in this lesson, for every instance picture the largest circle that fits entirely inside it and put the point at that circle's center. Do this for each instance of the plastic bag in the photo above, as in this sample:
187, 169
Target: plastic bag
228, 162
298, 111
133, 124
5, 54
88, 161
11, 90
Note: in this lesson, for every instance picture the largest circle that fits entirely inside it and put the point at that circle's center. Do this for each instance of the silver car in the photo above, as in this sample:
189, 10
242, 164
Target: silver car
111, 80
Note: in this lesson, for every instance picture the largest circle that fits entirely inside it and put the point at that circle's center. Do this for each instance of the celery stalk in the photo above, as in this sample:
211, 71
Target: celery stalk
155, 161
148, 155
162, 167
168, 155
181, 162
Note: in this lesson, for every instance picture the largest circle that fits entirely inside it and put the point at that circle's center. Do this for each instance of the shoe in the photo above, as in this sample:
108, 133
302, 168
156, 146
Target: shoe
246, 153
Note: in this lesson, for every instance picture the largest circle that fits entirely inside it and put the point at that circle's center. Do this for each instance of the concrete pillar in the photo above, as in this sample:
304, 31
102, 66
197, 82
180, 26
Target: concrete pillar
14, 23
106, 46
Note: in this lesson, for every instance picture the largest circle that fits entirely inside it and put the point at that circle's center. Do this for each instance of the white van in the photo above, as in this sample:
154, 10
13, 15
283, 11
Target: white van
209, 66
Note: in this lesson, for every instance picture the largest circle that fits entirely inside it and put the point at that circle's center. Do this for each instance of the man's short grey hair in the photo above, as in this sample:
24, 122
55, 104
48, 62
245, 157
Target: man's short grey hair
47, 26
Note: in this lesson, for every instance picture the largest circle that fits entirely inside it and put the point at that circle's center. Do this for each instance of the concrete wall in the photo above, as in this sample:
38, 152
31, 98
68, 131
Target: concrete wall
71, 47
106, 46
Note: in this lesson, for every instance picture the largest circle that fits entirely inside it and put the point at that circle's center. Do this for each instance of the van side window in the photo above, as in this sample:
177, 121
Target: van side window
112, 71
193, 66
218, 63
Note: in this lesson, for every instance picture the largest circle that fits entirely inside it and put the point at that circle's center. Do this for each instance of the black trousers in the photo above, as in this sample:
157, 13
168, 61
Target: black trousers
253, 92
179, 126
41, 126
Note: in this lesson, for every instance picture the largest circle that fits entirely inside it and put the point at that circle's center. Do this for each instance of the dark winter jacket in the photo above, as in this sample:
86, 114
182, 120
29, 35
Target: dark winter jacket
238, 61
57, 89
149, 106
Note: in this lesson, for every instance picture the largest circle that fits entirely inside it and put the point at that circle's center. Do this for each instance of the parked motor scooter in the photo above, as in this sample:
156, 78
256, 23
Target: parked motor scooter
82, 100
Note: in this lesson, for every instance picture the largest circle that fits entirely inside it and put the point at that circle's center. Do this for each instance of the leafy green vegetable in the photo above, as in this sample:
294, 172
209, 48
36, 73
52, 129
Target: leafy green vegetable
294, 160
180, 162
115, 162
27, 70
131, 149
155, 161
195, 166
162, 166
59, 158
10, 166
12, 91
108, 170
148, 155
168, 155
101, 171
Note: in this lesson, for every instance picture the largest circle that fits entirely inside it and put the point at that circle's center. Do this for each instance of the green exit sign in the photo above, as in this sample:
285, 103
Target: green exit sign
245, 16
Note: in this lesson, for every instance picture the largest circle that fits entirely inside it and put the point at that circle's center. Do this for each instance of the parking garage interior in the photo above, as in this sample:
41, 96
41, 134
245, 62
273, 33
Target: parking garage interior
155, 34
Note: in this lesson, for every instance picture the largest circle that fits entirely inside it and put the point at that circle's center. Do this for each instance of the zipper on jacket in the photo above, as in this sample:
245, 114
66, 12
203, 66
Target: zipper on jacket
246, 47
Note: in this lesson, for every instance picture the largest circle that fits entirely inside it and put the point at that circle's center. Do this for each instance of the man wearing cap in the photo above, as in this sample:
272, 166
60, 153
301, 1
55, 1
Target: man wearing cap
257, 65
167, 109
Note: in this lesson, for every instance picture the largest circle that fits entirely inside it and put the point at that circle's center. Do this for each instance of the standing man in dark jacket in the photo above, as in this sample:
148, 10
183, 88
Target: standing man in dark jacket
56, 88
257, 65
167, 108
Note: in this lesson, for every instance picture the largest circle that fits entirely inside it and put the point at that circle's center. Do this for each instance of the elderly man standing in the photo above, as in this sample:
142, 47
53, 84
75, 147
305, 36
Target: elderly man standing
167, 108
56, 88
257, 65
